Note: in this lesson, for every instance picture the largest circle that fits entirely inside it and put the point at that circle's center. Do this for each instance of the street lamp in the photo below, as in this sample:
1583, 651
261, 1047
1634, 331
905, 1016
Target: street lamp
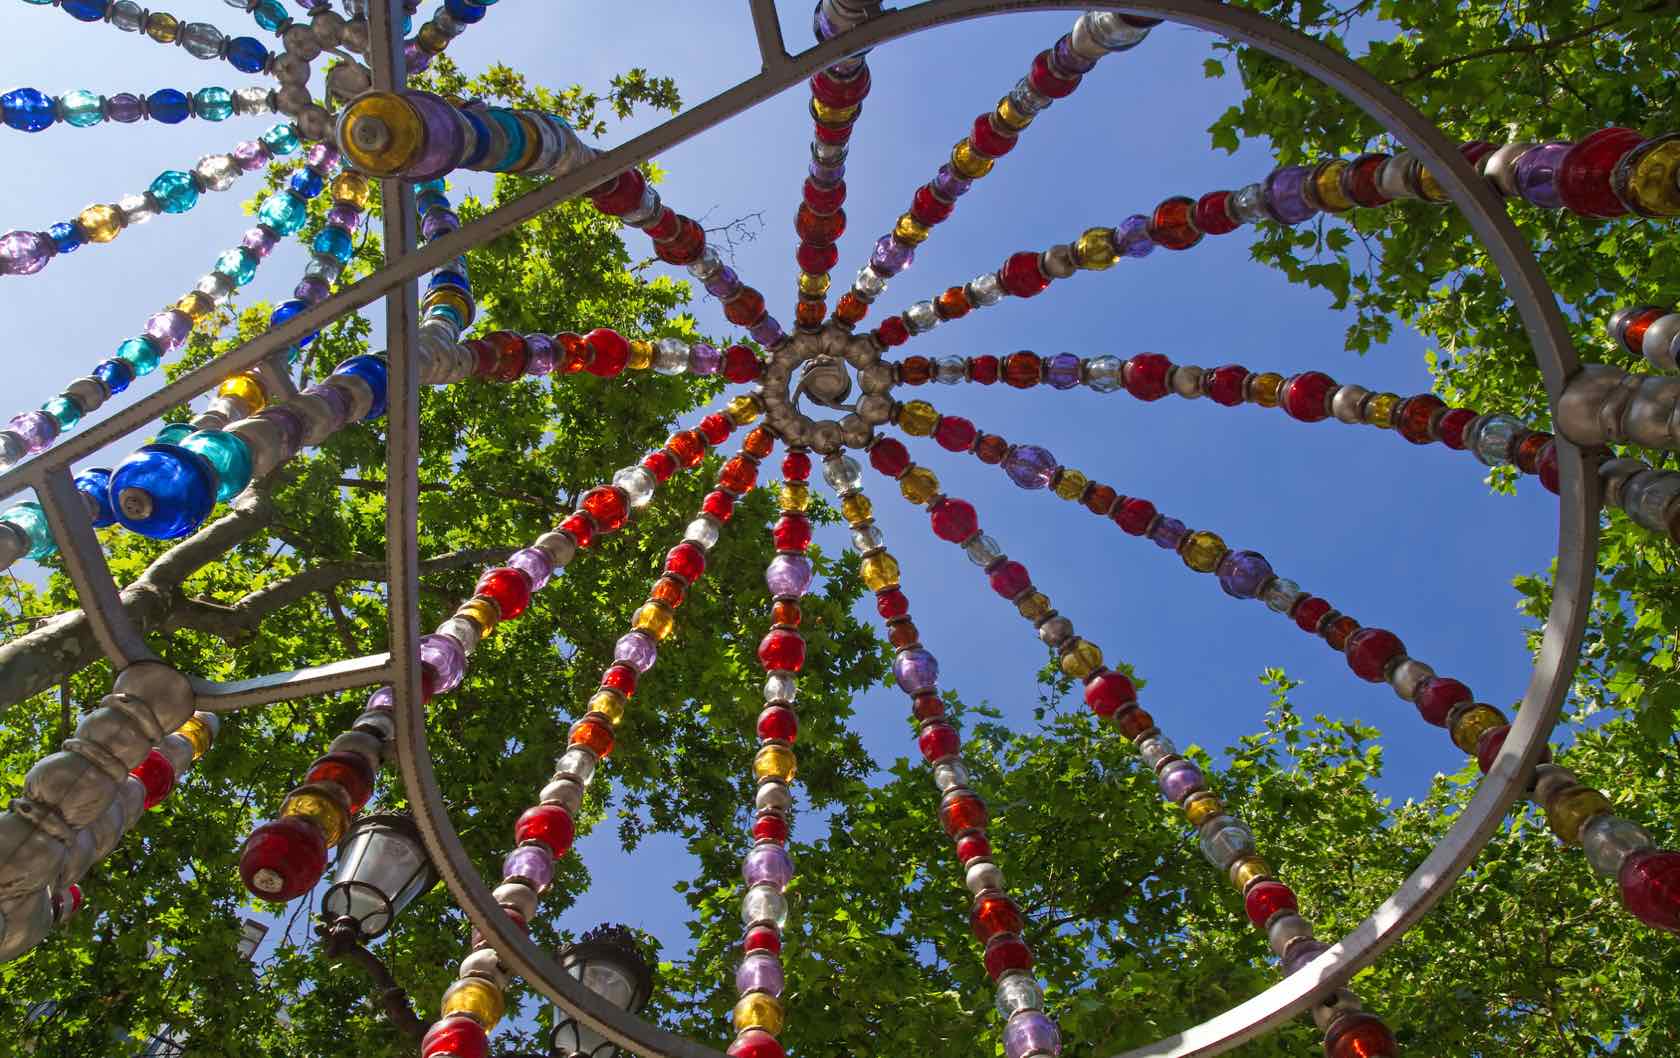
609, 963
383, 866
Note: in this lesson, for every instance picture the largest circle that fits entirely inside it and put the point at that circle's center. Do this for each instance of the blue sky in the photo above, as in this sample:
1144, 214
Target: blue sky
1404, 538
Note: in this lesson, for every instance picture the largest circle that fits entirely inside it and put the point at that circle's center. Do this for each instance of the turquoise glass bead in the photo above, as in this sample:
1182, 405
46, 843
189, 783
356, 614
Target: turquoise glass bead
33, 521
172, 434
80, 108
284, 212
335, 242
175, 191
213, 104
238, 264
65, 411
424, 186
282, 139
228, 454
271, 15
141, 354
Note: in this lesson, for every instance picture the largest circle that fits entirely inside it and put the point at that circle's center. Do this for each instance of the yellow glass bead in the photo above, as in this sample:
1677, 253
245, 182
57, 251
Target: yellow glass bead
1011, 115
1380, 409
919, 484
1084, 658
880, 571
1070, 484
813, 284
775, 762
918, 418
456, 300
197, 732
641, 355
758, 1010
162, 27
857, 509
477, 999
1431, 187
196, 305
609, 704
321, 810
1201, 807
381, 132
743, 409
1094, 249
910, 230
352, 188
969, 163
1264, 389
1034, 606
245, 388
1467, 731
796, 496
1654, 184
99, 222
1202, 551
1248, 870
834, 115
1328, 183
656, 619
482, 612
431, 39
1570, 808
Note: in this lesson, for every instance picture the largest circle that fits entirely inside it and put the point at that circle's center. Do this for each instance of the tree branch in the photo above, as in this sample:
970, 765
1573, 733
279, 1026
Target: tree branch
438, 486
1535, 47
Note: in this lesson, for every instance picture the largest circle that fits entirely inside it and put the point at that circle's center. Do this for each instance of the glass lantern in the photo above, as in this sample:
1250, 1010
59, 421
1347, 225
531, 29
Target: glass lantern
608, 962
381, 868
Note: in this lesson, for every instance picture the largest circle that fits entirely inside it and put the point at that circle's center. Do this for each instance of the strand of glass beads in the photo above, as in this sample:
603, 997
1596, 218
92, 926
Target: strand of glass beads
995, 918
269, 14
473, 1005
766, 869
837, 95
418, 136
1054, 74
24, 252
1650, 331
32, 110
201, 40
449, 21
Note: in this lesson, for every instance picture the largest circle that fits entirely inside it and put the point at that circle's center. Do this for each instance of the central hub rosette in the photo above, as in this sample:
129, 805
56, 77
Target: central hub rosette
809, 381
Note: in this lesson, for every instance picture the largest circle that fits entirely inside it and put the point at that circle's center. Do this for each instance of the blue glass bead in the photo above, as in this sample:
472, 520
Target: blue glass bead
281, 139
285, 311
173, 433
408, 24
27, 109
334, 242
32, 520
64, 411
66, 236
430, 200
213, 104
447, 279
168, 106
271, 15
163, 491
86, 10
464, 11
247, 54
81, 108
95, 483
228, 454
284, 212
175, 191
115, 374
480, 145
238, 264
141, 354
306, 182
370, 369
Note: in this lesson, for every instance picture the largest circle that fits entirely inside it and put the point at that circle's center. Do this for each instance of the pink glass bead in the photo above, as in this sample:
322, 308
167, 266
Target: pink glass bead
542, 354
636, 649
24, 253
259, 240
344, 215
788, 575
444, 660
1301, 953
1031, 1032
311, 289
891, 256
760, 972
381, 700
531, 864
916, 671
767, 863
323, 156
251, 156
704, 359
949, 185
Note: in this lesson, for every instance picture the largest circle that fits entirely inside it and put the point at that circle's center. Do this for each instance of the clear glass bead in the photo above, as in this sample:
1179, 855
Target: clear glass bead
949, 370
202, 40
985, 290
637, 483
780, 687
647, 210
948, 774
702, 531
252, 100
867, 537
1229, 841
1608, 841
218, 286
921, 317
126, 15
764, 903
1113, 32
706, 264
1247, 205
983, 551
578, 762
1157, 749
842, 473
1102, 373
324, 266
137, 209
1493, 438
216, 172
869, 283
670, 356
1018, 992
1026, 98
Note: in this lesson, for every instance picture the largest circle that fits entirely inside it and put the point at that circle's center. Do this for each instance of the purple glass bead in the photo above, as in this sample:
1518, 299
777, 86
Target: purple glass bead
169, 329
1131, 238
382, 700
311, 289
336, 399
259, 240
768, 862
949, 184
826, 175
414, 56
1062, 371
251, 155
891, 256
24, 253
1179, 780
439, 222
534, 563
1169, 533
759, 972
323, 157
637, 650
1537, 174
291, 428
445, 658
788, 575
532, 863
916, 671
344, 215
1303, 952
37, 428
1286, 194
1244, 573
124, 108
822, 26
1070, 60
723, 284
767, 332
542, 355
1030, 466
704, 359
1031, 1032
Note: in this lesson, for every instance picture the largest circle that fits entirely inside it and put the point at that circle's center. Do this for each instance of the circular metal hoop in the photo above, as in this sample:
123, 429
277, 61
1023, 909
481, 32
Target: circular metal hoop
1542, 700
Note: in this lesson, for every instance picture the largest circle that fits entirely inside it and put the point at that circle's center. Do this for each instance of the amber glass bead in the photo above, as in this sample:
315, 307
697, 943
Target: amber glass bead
1248, 870
830, 115
910, 230
786, 612
162, 27
349, 770
745, 308
195, 305
738, 475
775, 762
1571, 807
1429, 188
814, 284
1340, 631
1653, 184
594, 733
607, 506
851, 309
758, 443
197, 732
743, 409
1173, 224
476, 998
1021, 369
398, 145
990, 449
1069, 484
810, 313
1133, 721
758, 1010
969, 163
245, 388
482, 612
1263, 389
1381, 409
352, 188
1467, 729
880, 571
669, 591
100, 223
1095, 249
654, 618
912, 370
918, 418
1082, 660
1327, 187
1034, 606
687, 446
1012, 116
1100, 499
953, 304
857, 509
820, 229
1202, 551
641, 355
1201, 807
319, 809
608, 703
903, 634
919, 484
1526, 452
796, 496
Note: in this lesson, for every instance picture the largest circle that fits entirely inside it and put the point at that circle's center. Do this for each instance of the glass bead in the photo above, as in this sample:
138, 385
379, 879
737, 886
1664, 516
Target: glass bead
1202, 551
100, 223
531, 864
245, 388
201, 40
284, 212
1228, 842
247, 54
610, 703
126, 15
1609, 840
1652, 184
174, 191
326, 813
444, 663
788, 575
1471, 724
1569, 809
1031, 1032
1016, 993
1370, 652
1492, 438
842, 474
548, 825
283, 859
163, 491
80, 108
1201, 807
269, 14
1242, 574
1650, 885
757, 1010
916, 671
475, 998
1359, 1035
921, 317
163, 27
654, 619
760, 971
764, 903
1082, 660
32, 520
1062, 371
1029, 466
228, 454
919, 484
795, 496
857, 508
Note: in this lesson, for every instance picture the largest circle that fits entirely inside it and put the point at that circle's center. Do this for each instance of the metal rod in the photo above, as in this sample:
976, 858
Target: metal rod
213, 697
84, 562
768, 26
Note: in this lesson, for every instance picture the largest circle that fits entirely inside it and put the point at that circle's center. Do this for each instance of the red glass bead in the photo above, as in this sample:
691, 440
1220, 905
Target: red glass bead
686, 560
738, 475
927, 707
720, 505
891, 603
755, 1043
283, 859
782, 651
479, 940
1010, 579
455, 1037
762, 938
745, 308
792, 532
1339, 631
1265, 899
821, 229
509, 587
889, 456
1134, 515
1107, 692
954, 520
928, 208
1022, 370
484, 364
1525, 452
1650, 883
973, 846
1451, 427
990, 449
156, 775
961, 813
816, 258
983, 369
1173, 224
1133, 721
510, 355
740, 364
1307, 396
620, 678
993, 915
1634, 335
1371, 650
902, 634
1476, 150
684, 248
581, 528
1309, 612
716, 428
549, 824
660, 464
915, 370
1359, 180
796, 466
606, 505
1146, 376
1224, 385
1212, 214
687, 448
1021, 276
1045, 81
1007, 953
835, 92
1436, 696
892, 331
668, 224
990, 139
938, 741
1583, 175
954, 433
831, 134
1359, 1035
1415, 415
1099, 499
822, 199
770, 827
778, 722
349, 770
1492, 741
620, 195
758, 443
612, 352
1546, 467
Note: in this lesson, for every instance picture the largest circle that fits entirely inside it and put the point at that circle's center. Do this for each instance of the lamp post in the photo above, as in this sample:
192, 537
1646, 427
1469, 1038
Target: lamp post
608, 962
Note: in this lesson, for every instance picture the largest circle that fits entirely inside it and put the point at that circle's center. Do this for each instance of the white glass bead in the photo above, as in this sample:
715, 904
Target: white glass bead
949, 370
703, 531
577, 762
637, 483
217, 285
137, 209
985, 290
843, 473
1247, 205
780, 687
1017, 992
921, 317
216, 172
869, 284
763, 903
707, 263
950, 774
670, 356
1157, 749
1280, 594
1609, 841
1103, 373
126, 15
1224, 843
867, 537
252, 100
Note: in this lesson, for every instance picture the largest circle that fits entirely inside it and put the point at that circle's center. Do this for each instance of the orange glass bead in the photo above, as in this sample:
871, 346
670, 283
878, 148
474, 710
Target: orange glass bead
1099, 499
668, 591
916, 370
818, 228
606, 505
1339, 631
785, 612
953, 304
687, 446
810, 313
851, 309
903, 634
574, 352
745, 308
738, 475
759, 442
594, 734
1021, 370
1263, 389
